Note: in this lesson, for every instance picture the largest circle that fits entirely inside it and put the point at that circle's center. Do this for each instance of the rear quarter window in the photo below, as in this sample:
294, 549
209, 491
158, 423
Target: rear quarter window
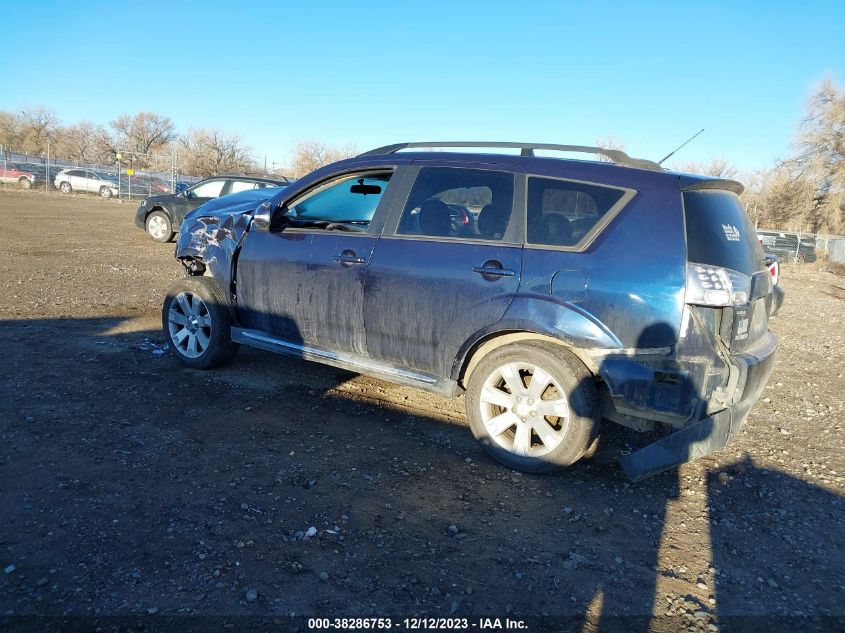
720, 232
564, 213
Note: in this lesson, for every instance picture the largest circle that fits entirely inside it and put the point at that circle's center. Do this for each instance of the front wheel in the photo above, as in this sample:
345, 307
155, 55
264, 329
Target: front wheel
159, 227
25, 183
533, 406
65, 187
197, 323
105, 192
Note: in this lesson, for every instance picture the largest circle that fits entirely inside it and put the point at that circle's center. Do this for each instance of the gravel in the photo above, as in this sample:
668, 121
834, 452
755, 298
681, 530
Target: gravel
120, 468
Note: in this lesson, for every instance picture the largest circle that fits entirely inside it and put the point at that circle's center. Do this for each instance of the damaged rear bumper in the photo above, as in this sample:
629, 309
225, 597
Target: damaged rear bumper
712, 433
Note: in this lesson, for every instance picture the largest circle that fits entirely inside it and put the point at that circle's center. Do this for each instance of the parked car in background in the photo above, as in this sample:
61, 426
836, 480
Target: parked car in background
773, 266
69, 180
160, 185
656, 314
160, 216
787, 246
12, 173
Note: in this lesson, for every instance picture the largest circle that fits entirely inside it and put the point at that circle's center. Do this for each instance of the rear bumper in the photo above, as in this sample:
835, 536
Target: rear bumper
714, 432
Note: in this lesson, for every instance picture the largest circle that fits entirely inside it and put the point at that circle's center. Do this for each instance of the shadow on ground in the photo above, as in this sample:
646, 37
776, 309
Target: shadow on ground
131, 486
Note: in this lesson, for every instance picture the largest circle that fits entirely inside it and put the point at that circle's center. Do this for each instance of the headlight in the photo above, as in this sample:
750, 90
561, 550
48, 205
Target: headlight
143, 202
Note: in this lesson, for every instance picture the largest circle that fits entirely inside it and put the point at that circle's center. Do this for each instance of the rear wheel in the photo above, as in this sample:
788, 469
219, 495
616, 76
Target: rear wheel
159, 226
65, 187
25, 183
197, 323
533, 406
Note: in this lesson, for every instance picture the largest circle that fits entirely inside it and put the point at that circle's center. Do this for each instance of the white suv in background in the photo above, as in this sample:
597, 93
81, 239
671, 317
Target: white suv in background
69, 180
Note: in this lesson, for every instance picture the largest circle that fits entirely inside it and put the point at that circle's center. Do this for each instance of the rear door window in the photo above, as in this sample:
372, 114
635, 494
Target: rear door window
564, 213
242, 185
448, 202
720, 232
210, 189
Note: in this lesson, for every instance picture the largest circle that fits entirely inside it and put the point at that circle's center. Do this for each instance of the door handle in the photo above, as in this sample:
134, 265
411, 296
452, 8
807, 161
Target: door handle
349, 259
497, 272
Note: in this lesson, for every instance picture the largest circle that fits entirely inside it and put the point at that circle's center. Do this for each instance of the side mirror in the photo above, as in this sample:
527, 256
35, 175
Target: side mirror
262, 216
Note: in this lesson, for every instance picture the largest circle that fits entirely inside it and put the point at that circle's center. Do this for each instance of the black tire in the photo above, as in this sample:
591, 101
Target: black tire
105, 192
159, 227
218, 331
25, 183
576, 434
65, 187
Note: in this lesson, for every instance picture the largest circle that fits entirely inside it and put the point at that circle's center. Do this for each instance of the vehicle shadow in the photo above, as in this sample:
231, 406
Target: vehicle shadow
180, 490
776, 540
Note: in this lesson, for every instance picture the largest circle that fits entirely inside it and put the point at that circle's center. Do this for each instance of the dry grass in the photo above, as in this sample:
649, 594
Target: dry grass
834, 267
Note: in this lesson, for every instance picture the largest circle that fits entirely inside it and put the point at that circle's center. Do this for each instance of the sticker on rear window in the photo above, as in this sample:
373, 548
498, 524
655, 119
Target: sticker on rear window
731, 232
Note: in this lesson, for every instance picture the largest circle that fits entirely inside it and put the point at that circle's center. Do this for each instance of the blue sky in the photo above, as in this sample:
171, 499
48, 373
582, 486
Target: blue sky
370, 73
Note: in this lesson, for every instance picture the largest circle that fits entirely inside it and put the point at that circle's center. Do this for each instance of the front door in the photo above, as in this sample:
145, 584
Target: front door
302, 281
449, 268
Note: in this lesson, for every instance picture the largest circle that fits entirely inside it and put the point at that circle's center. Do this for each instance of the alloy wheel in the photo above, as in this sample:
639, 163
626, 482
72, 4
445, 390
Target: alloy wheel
157, 227
189, 324
524, 409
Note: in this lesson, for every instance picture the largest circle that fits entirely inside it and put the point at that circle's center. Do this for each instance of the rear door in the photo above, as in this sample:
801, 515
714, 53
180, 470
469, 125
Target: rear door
436, 277
79, 180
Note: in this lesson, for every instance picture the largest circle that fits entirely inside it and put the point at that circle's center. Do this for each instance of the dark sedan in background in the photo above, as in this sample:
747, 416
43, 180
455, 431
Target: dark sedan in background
160, 216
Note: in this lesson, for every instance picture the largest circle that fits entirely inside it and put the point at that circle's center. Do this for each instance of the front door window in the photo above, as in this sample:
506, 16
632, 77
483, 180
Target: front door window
347, 203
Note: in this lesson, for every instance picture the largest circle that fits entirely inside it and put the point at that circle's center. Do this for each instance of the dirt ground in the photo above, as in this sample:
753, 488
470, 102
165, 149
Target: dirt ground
130, 486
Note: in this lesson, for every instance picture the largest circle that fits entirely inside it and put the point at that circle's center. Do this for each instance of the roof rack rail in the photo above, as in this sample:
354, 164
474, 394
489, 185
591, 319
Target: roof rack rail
618, 157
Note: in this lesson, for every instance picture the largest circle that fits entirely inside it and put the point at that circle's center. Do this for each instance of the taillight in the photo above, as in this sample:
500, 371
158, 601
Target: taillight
715, 286
774, 269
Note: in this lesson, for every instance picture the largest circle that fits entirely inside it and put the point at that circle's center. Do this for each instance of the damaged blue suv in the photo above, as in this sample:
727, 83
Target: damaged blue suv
555, 293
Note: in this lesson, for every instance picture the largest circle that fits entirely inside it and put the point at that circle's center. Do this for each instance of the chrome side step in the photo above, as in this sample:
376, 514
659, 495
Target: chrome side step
351, 362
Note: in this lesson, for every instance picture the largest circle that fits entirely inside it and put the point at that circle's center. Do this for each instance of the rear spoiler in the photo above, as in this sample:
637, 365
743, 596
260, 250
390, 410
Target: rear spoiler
692, 184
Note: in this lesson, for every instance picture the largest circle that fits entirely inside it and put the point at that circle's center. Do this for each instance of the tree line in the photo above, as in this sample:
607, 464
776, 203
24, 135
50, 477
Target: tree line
803, 191
147, 140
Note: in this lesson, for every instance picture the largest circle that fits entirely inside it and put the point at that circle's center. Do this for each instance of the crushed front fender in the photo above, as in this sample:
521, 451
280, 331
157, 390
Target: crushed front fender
214, 240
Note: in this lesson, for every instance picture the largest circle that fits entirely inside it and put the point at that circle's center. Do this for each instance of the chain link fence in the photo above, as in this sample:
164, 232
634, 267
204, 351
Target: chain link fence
25, 171
800, 248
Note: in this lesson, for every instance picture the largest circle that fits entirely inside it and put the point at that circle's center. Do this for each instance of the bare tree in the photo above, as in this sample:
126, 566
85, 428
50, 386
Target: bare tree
38, 127
208, 152
310, 154
784, 201
717, 167
609, 142
83, 142
819, 154
820, 146
11, 130
140, 135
